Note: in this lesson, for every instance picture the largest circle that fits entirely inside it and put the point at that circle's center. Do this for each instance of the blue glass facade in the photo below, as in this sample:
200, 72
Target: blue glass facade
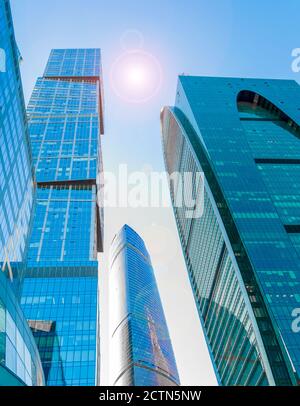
74, 63
20, 363
243, 254
15, 167
60, 289
141, 350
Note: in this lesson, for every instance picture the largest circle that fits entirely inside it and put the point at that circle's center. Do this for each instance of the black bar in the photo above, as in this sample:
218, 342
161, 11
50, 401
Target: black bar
133, 395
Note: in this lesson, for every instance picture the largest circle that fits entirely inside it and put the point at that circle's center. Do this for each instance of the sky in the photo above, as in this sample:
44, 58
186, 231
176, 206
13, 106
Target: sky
195, 37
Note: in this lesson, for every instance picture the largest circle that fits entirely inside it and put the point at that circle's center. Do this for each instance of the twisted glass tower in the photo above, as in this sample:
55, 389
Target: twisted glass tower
19, 359
141, 352
60, 289
243, 253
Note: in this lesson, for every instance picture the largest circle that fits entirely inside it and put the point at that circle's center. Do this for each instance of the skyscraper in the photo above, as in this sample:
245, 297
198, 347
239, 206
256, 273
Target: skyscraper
15, 164
19, 358
60, 289
141, 352
243, 253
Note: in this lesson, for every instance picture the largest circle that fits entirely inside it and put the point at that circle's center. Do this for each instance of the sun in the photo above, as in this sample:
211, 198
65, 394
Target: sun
136, 76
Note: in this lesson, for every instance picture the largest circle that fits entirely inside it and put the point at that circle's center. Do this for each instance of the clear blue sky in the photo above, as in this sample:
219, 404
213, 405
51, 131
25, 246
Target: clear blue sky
205, 37
201, 37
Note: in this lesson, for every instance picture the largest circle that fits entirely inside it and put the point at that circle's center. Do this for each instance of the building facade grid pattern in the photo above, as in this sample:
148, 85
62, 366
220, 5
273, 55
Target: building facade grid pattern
60, 289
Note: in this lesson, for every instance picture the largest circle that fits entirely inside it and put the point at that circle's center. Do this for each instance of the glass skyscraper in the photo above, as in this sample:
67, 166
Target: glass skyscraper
243, 253
16, 197
60, 289
19, 358
141, 352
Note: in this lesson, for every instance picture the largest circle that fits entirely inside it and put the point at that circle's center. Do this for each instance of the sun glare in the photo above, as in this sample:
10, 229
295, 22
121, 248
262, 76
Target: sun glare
136, 76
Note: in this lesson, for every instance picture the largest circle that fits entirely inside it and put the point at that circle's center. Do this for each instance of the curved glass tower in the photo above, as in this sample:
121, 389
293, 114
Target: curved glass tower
20, 363
242, 253
141, 352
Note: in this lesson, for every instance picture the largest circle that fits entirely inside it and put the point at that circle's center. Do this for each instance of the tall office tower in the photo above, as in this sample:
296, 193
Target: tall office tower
60, 290
19, 359
141, 352
243, 253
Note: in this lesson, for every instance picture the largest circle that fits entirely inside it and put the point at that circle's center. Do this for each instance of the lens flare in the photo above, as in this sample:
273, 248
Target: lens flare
132, 39
136, 76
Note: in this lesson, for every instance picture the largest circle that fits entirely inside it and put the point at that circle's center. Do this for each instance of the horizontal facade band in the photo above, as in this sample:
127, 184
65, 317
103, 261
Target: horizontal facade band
292, 228
282, 161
